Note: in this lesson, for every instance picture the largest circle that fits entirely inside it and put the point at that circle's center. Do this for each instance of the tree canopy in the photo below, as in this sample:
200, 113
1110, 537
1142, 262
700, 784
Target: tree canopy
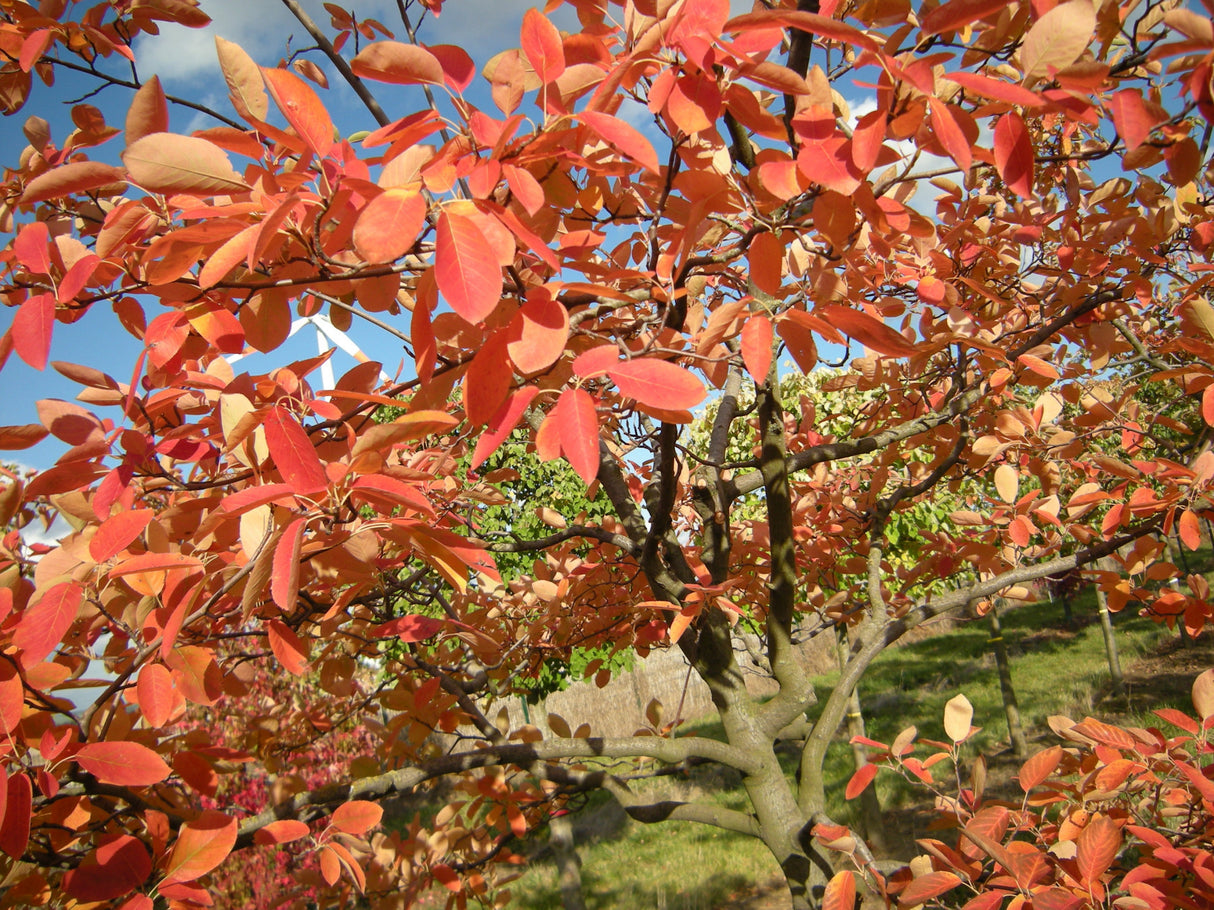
991, 218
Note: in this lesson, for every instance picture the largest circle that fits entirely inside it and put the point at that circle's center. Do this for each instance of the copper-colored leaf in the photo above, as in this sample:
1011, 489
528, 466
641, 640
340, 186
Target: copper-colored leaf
201, 845
397, 63
868, 330
302, 108
74, 177
757, 337
925, 887
1039, 767
148, 112
125, 764
538, 333
13, 438
956, 14
281, 832
120, 864
1097, 847
245, 85
409, 628
168, 163
502, 423
356, 817
42, 627
1132, 116
155, 692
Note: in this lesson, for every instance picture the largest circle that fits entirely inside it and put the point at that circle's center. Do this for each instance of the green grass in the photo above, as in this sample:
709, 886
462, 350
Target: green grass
693, 867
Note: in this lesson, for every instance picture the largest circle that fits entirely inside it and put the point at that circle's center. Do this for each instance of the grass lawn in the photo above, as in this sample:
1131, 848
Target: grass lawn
1055, 670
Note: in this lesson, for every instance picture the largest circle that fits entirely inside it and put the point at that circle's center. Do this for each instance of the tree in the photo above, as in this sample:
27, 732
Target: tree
604, 228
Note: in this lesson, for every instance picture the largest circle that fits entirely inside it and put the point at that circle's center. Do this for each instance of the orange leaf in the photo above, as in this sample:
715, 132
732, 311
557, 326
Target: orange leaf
118, 532
120, 864
389, 225
658, 383
23, 436
148, 112
1039, 767
1133, 119
12, 702
868, 330
409, 628
288, 647
356, 817
1189, 529
465, 267
577, 426
42, 626
815, 24
201, 846
1057, 39
397, 63
284, 583
168, 163
997, 89
542, 44
487, 382
124, 764
828, 162
1097, 847
757, 336
293, 454
860, 781
766, 258
1014, 156
926, 887
1038, 366
950, 134
538, 333
76, 177
302, 108
246, 88
502, 424
281, 832
618, 134
155, 692
840, 893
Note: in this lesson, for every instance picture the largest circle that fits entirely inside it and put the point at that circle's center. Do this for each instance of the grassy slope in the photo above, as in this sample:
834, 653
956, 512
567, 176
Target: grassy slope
1055, 671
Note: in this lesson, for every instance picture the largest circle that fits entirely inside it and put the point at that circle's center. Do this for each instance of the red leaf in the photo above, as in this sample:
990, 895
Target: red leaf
122, 763
201, 845
293, 454
860, 780
302, 108
120, 864
117, 533
154, 562
284, 583
1189, 529
538, 333
409, 628
42, 627
1097, 847
658, 383
542, 44
1039, 767
288, 647
950, 134
281, 832
397, 63
868, 330
926, 887
502, 424
815, 24
389, 225
31, 247
32, 329
620, 135
867, 140
75, 278
487, 382
168, 163
577, 426
465, 267
155, 693
1014, 156
757, 336
197, 675
828, 162
996, 89
1133, 119
76, 177
459, 69
766, 258
956, 14
19, 801
356, 817
373, 487
12, 701
840, 893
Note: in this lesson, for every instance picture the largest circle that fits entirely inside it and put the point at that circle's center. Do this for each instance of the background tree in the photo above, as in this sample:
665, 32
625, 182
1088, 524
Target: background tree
1020, 208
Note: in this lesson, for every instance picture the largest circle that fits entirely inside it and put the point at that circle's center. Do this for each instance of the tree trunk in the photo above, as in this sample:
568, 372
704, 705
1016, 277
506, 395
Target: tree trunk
568, 863
1110, 641
1010, 708
871, 821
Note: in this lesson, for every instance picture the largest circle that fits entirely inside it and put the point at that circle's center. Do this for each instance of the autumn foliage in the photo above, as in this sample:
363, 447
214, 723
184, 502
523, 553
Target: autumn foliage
991, 218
